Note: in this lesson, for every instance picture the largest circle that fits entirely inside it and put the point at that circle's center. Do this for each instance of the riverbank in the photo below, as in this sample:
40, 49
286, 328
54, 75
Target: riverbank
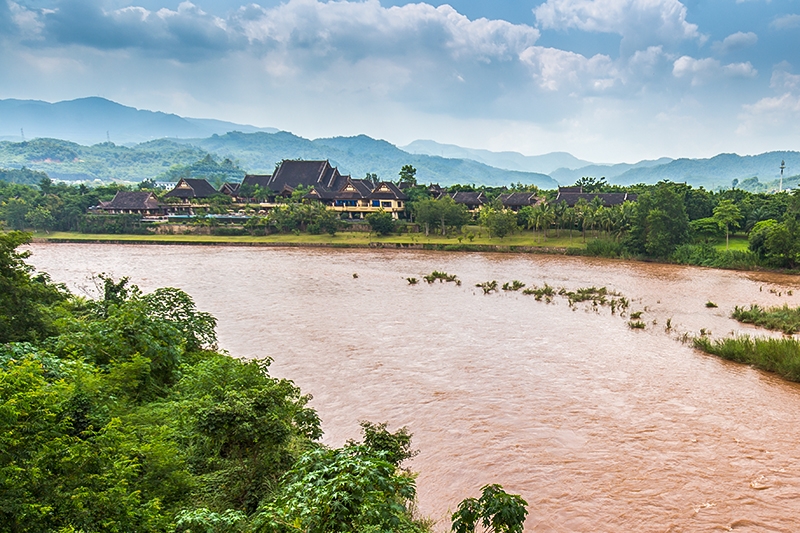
523, 242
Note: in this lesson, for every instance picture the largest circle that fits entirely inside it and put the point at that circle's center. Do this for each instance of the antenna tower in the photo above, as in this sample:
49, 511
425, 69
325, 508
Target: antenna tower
22, 133
783, 166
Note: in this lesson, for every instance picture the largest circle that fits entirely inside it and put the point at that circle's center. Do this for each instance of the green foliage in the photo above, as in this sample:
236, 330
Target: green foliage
605, 248
496, 510
783, 319
706, 229
355, 488
23, 176
781, 356
500, 222
660, 222
381, 222
408, 174
25, 299
443, 212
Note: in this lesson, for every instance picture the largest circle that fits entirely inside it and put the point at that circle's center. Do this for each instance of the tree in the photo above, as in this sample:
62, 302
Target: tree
381, 222
499, 222
728, 215
40, 218
496, 510
660, 222
408, 175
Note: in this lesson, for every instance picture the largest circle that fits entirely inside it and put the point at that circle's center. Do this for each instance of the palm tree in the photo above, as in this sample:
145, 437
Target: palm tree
559, 210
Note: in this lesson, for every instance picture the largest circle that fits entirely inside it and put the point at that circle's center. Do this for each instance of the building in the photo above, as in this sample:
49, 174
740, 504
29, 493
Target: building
188, 189
357, 198
517, 200
473, 200
142, 203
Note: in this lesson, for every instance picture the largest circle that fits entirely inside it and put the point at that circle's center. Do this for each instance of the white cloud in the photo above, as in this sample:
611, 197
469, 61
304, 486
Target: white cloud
786, 22
734, 42
783, 80
641, 22
556, 70
704, 70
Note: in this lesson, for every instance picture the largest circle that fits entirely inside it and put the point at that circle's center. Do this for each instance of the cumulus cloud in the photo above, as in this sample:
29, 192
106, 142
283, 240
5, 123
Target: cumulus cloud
786, 22
639, 22
556, 70
735, 42
700, 71
186, 33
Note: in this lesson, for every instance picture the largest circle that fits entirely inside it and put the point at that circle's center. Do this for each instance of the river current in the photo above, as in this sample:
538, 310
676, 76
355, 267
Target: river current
601, 428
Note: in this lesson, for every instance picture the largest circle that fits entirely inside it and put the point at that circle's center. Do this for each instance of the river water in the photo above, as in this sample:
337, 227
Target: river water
601, 428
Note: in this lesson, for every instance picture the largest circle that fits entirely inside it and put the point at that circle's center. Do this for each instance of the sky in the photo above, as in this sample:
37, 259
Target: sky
606, 80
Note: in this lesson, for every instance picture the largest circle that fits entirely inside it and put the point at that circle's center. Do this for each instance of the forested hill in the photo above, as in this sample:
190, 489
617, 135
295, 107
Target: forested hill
252, 152
93, 120
357, 156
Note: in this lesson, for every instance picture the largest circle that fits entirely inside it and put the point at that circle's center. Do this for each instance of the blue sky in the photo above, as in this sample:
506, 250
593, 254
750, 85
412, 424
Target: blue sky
607, 80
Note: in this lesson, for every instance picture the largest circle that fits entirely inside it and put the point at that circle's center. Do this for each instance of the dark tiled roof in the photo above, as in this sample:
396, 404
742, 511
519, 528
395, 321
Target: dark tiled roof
571, 189
468, 198
608, 198
262, 180
387, 190
516, 199
292, 174
132, 200
349, 189
192, 188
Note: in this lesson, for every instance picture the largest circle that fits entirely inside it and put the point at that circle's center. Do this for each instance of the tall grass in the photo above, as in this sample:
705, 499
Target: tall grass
781, 356
783, 319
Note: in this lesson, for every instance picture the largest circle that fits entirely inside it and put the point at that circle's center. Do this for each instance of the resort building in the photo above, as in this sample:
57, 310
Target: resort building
131, 203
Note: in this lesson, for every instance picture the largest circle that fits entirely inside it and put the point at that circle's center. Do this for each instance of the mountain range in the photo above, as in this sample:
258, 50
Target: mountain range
72, 140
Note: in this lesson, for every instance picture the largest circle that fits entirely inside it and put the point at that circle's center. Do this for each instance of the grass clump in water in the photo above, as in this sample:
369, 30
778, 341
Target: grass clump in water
781, 356
488, 286
711, 304
547, 292
441, 276
513, 286
636, 324
637, 315
785, 319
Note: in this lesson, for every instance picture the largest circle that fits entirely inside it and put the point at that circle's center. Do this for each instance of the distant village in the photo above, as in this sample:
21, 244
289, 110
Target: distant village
351, 198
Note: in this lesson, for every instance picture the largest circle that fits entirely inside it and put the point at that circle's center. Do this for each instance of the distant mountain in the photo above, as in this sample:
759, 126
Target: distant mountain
544, 164
357, 156
255, 153
567, 176
95, 120
715, 172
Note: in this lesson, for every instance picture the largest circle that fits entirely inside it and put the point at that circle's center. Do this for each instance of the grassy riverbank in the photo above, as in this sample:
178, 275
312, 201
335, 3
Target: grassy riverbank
781, 356
343, 239
555, 242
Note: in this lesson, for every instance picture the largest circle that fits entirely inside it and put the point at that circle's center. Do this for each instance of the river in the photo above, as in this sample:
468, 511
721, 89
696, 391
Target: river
601, 428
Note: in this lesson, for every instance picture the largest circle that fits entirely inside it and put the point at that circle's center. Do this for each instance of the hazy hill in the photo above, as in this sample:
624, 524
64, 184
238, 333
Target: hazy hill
94, 120
718, 171
544, 164
165, 159
357, 156
567, 176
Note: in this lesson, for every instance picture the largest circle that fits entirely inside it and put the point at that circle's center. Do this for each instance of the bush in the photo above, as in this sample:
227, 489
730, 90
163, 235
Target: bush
228, 232
113, 224
606, 248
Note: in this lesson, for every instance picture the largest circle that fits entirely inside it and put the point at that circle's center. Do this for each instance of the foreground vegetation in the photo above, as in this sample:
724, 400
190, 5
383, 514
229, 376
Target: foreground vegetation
781, 356
118, 414
783, 319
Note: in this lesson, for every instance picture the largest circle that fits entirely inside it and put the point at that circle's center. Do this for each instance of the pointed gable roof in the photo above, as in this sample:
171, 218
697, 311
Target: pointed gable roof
261, 180
292, 174
192, 188
386, 190
132, 200
518, 199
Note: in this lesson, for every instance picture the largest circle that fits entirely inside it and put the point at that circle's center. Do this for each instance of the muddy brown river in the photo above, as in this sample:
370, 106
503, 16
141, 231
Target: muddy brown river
601, 428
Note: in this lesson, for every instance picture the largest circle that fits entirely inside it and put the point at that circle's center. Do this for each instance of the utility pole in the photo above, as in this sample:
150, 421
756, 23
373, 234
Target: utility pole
783, 166
22, 133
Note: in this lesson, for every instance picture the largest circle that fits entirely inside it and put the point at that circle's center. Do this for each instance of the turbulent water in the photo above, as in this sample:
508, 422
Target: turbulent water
601, 428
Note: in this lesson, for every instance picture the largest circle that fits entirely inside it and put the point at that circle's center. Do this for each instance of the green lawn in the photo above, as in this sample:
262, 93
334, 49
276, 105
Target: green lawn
525, 238
737, 242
